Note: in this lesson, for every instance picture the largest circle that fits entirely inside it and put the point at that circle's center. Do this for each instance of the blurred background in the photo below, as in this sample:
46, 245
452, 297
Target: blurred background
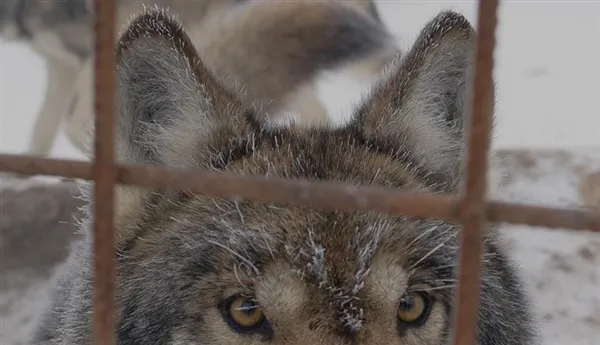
547, 137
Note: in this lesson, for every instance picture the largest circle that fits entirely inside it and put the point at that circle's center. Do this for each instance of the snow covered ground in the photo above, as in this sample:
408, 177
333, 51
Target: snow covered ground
548, 75
561, 268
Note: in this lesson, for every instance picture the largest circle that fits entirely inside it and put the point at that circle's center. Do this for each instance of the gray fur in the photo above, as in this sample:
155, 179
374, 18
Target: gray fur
321, 277
71, 20
428, 112
333, 37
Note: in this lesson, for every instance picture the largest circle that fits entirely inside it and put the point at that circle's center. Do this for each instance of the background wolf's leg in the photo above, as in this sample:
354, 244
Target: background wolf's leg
79, 122
58, 99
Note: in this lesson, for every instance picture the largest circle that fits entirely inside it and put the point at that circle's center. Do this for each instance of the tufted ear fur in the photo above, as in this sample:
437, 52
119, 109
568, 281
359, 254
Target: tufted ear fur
170, 107
418, 112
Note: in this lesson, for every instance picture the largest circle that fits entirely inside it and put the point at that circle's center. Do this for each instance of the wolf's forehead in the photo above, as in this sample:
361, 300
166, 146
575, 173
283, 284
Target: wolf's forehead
319, 245
337, 262
336, 244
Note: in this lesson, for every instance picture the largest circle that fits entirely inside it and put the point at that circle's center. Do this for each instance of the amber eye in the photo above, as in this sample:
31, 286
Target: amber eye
243, 314
414, 308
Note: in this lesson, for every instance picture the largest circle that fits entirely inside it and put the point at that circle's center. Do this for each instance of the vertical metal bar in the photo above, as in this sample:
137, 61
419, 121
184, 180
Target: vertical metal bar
472, 206
104, 174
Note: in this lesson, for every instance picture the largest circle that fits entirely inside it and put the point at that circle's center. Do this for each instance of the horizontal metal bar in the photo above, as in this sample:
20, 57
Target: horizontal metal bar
320, 194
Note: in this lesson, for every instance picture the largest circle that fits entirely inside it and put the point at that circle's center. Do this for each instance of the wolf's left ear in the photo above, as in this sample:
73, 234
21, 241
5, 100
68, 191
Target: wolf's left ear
171, 108
418, 113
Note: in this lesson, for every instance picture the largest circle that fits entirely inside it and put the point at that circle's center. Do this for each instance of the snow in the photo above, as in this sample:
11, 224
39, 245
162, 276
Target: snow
548, 84
561, 268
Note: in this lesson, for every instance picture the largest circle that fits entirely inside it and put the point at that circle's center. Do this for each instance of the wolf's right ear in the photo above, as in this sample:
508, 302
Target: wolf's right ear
418, 113
170, 107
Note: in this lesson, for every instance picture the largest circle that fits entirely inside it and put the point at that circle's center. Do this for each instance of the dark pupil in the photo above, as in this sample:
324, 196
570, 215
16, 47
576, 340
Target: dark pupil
408, 302
247, 307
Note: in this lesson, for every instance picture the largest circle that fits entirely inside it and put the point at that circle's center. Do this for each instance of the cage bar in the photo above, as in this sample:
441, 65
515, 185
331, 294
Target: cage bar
330, 195
472, 207
104, 174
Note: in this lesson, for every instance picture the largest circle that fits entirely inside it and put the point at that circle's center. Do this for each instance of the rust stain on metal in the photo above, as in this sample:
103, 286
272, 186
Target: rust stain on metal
104, 174
329, 195
472, 207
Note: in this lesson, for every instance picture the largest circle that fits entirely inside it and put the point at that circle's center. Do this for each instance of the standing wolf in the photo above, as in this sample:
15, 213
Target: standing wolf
198, 270
266, 64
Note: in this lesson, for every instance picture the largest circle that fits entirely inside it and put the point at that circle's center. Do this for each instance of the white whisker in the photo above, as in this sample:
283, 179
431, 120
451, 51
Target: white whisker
434, 288
248, 262
430, 253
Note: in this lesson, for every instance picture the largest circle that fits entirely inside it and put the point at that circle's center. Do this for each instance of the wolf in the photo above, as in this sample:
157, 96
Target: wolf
62, 33
193, 269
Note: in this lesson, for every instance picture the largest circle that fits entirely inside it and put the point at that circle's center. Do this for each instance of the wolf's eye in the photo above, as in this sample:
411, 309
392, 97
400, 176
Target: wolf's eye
414, 308
243, 314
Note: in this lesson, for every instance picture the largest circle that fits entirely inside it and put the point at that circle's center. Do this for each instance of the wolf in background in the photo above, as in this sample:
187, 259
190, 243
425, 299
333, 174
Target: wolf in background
274, 66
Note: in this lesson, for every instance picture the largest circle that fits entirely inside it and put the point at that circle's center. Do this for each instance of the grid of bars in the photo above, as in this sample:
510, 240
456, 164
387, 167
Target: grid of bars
472, 210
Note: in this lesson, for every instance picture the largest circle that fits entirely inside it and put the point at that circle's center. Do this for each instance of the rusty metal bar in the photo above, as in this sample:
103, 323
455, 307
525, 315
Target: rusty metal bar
321, 194
104, 174
472, 206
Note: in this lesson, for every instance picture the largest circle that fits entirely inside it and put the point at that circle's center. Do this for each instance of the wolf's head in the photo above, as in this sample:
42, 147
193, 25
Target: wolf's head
200, 270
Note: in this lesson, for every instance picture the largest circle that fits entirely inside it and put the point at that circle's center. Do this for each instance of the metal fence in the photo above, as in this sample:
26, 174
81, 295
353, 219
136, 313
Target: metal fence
472, 210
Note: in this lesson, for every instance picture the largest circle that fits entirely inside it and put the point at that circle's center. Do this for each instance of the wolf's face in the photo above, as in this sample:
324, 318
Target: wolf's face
199, 270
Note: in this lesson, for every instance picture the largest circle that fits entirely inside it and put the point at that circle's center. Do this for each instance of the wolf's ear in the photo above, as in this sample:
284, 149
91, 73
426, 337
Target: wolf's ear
418, 112
170, 107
